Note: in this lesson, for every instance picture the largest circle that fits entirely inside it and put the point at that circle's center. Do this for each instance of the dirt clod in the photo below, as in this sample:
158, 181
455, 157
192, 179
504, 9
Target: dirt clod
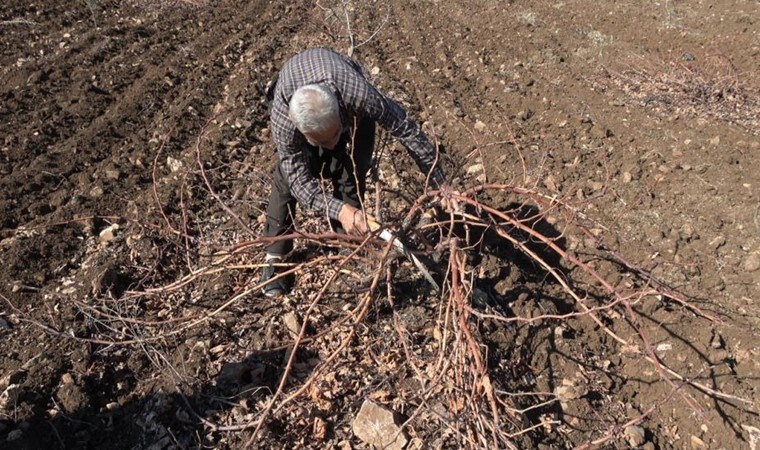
72, 397
752, 262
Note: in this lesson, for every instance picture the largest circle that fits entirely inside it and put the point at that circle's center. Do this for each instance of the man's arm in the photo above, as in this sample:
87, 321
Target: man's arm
394, 119
364, 98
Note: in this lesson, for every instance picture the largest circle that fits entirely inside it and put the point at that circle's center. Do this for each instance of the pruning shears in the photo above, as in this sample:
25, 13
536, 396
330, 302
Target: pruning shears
388, 236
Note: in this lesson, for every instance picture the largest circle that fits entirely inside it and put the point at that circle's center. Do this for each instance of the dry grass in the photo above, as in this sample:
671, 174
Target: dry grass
707, 86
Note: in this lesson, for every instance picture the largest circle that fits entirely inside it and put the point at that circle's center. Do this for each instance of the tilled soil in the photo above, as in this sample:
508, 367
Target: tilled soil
126, 125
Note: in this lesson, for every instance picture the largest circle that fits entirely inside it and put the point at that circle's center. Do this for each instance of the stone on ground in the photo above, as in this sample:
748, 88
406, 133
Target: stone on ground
379, 427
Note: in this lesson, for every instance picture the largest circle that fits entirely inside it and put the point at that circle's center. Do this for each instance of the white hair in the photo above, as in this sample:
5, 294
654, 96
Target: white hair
314, 109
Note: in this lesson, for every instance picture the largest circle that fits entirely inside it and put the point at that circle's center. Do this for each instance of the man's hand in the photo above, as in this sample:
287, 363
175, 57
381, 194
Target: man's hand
448, 202
355, 221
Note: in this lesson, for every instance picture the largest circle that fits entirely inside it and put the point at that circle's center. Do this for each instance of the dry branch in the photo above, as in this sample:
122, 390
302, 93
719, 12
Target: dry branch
451, 362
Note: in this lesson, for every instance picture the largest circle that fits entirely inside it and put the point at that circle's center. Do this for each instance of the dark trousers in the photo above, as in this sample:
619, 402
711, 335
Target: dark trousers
345, 165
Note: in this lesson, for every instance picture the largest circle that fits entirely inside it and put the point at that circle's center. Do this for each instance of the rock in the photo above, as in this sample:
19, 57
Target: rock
319, 429
687, 232
11, 378
648, 446
715, 141
754, 436
375, 70
174, 165
14, 435
480, 126
600, 132
291, 322
551, 183
570, 390
698, 444
635, 435
243, 124
96, 192
9, 397
67, 378
379, 427
113, 174
525, 115
664, 347
717, 341
108, 233
752, 263
718, 242
475, 168
719, 354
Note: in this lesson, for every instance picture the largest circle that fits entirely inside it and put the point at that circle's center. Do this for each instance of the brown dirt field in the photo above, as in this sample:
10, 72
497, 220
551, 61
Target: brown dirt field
643, 117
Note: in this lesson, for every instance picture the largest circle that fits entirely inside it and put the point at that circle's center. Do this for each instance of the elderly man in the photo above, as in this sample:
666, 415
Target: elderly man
323, 116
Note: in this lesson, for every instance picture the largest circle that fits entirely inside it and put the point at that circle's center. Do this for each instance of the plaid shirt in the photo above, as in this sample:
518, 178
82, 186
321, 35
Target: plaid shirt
356, 98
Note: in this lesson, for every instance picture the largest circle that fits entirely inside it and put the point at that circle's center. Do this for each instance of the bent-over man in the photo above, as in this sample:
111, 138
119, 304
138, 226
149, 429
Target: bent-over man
323, 115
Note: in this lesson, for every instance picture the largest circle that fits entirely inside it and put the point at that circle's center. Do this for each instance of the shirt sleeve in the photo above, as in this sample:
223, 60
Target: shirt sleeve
364, 98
